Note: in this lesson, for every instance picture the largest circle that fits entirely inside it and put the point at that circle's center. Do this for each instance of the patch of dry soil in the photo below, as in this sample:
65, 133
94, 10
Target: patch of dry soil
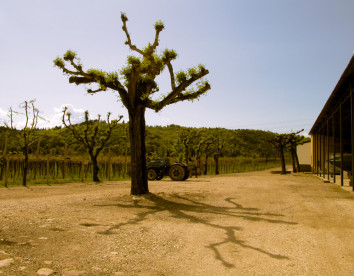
241, 224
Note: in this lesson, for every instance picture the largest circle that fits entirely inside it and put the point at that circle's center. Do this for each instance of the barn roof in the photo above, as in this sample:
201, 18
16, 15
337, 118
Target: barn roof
340, 93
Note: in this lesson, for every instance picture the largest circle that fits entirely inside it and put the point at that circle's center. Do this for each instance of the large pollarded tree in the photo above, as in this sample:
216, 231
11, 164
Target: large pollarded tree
136, 86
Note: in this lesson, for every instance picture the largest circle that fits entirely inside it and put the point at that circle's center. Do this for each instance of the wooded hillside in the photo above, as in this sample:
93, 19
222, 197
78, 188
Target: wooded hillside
161, 141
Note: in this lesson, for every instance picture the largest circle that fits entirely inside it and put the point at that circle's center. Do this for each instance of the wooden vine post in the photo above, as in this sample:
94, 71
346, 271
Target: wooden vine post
64, 162
47, 169
125, 162
82, 169
7, 162
109, 165
36, 164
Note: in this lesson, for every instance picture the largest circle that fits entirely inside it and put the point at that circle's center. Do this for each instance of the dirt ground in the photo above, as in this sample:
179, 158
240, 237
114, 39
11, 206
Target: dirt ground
240, 224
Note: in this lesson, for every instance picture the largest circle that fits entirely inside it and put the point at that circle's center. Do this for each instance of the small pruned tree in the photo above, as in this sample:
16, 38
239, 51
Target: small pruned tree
137, 90
190, 139
26, 136
93, 135
219, 142
206, 147
294, 140
280, 141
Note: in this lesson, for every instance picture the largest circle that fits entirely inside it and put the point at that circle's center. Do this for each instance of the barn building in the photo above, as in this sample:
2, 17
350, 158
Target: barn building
332, 134
304, 156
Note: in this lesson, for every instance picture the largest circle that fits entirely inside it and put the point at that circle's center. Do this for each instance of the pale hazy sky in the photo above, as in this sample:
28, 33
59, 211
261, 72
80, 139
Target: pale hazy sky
273, 63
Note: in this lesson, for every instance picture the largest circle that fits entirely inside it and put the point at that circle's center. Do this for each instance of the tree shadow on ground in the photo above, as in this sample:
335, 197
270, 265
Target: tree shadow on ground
189, 209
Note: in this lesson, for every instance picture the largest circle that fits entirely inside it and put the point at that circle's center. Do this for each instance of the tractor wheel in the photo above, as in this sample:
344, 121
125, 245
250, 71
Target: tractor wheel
177, 173
151, 174
187, 174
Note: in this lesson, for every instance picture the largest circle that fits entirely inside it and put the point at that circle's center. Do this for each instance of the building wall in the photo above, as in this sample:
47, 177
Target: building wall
304, 153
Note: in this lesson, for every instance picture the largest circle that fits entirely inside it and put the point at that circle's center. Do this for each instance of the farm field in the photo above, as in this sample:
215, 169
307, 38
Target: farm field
56, 169
254, 223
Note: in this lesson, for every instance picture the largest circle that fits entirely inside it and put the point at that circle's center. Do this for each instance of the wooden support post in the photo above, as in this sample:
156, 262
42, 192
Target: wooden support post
313, 153
352, 132
323, 154
327, 149
341, 143
313, 163
316, 155
334, 147
320, 153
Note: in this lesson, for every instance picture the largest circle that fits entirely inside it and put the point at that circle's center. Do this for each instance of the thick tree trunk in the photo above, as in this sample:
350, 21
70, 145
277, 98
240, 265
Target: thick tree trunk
139, 183
297, 162
216, 159
293, 160
25, 167
206, 165
95, 168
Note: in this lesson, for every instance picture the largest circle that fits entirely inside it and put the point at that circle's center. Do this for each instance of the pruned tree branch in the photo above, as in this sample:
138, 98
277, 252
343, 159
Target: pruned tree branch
177, 94
129, 42
172, 76
70, 126
103, 79
111, 126
193, 95
159, 26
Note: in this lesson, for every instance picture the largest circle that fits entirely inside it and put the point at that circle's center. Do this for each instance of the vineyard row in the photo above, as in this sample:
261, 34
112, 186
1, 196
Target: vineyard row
49, 169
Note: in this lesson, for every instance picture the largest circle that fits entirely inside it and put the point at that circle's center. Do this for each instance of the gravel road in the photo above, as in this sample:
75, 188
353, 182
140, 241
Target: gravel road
238, 224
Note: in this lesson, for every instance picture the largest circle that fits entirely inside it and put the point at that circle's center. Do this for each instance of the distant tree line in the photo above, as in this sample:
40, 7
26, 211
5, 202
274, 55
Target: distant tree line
95, 136
161, 141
